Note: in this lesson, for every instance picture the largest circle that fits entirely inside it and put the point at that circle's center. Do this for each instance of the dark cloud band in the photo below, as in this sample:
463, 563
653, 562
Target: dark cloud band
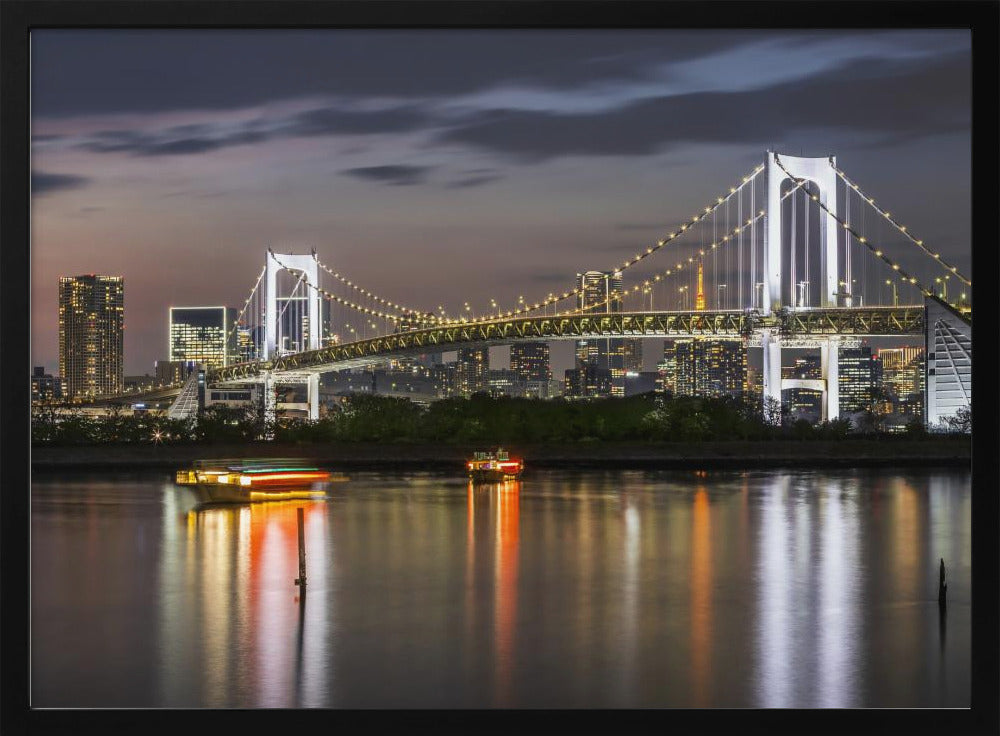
43, 182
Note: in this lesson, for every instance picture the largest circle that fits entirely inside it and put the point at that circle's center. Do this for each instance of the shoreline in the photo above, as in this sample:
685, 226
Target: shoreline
583, 455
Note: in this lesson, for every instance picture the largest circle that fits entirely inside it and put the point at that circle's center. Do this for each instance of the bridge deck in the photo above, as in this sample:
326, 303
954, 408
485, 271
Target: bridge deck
868, 321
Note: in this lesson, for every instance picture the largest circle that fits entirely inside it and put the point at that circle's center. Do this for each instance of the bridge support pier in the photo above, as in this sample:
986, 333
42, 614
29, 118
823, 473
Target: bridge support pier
829, 353
829, 350
312, 388
771, 348
270, 405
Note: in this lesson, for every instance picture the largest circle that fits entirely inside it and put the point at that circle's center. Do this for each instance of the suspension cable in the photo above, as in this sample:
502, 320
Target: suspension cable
386, 302
903, 229
345, 302
907, 277
660, 244
253, 291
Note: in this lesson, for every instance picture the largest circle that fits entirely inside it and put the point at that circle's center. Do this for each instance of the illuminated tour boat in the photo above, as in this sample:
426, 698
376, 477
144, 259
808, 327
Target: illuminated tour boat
494, 467
244, 481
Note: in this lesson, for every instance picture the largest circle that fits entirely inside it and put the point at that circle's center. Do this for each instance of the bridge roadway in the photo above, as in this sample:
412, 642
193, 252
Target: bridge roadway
801, 323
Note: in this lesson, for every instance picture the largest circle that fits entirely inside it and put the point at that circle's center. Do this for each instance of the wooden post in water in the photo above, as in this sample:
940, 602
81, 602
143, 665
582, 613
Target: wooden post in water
301, 579
942, 588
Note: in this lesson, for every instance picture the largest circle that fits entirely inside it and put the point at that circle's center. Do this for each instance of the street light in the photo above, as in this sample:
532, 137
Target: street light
719, 289
895, 296
759, 286
684, 291
944, 286
493, 305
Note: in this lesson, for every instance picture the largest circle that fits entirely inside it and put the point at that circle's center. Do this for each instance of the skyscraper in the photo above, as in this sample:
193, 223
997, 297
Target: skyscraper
707, 367
603, 292
530, 361
903, 378
857, 379
91, 334
203, 335
473, 370
44, 386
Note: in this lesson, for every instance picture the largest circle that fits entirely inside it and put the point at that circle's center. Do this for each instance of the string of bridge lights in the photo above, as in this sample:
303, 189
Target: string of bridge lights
707, 212
678, 267
236, 322
730, 236
906, 277
902, 228
425, 316
346, 302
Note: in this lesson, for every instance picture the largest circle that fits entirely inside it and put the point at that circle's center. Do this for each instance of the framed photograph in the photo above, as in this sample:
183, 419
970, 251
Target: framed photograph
501, 366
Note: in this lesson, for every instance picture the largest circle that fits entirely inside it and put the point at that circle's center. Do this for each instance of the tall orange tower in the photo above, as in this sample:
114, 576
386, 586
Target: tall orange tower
699, 299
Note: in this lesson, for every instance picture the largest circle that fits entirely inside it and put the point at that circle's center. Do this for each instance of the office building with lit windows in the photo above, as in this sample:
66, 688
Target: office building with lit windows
530, 361
91, 334
858, 376
203, 335
587, 381
45, 386
472, 372
707, 367
603, 292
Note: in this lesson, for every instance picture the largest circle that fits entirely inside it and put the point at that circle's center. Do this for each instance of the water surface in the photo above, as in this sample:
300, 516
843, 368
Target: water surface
618, 589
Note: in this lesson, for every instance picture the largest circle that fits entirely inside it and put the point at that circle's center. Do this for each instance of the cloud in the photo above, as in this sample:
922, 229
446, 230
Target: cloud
204, 138
901, 99
80, 72
331, 121
395, 175
43, 183
473, 181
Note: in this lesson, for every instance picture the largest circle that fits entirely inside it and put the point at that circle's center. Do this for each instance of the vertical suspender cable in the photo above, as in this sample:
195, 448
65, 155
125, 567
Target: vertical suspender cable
715, 264
847, 248
753, 244
806, 277
794, 249
739, 257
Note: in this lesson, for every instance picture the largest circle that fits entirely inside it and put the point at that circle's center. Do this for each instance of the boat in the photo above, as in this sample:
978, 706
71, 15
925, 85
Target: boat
494, 467
247, 481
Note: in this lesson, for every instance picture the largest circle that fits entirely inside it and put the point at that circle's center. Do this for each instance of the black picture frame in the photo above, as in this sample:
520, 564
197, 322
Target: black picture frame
19, 17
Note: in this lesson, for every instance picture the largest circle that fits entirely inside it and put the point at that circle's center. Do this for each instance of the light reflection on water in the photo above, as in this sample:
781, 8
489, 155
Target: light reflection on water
597, 589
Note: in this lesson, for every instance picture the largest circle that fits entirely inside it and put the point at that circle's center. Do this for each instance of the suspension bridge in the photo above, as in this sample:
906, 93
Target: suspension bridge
793, 255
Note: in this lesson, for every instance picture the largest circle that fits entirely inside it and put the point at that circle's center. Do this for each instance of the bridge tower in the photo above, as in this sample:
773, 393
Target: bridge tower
821, 172
308, 268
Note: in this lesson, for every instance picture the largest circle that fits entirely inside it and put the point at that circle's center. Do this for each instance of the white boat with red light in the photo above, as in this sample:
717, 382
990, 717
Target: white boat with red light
494, 467
247, 481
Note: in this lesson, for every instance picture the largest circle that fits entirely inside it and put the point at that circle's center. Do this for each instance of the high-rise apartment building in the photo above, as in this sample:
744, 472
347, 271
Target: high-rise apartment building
603, 291
530, 361
904, 379
45, 386
858, 376
472, 372
91, 334
707, 367
588, 381
902, 370
203, 335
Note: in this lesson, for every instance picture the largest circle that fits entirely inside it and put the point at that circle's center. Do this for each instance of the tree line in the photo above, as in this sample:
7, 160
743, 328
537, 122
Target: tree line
480, 418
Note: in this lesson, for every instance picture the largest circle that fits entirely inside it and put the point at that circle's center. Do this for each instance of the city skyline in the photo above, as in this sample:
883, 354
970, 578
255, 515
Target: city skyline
158, 161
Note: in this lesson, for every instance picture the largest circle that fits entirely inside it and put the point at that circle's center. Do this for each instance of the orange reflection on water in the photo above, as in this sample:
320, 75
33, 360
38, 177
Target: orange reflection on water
701, 597
248, 559
508, 497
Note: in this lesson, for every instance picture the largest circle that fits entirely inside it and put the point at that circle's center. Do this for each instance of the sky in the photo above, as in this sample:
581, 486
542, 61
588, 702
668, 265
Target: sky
438, 167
